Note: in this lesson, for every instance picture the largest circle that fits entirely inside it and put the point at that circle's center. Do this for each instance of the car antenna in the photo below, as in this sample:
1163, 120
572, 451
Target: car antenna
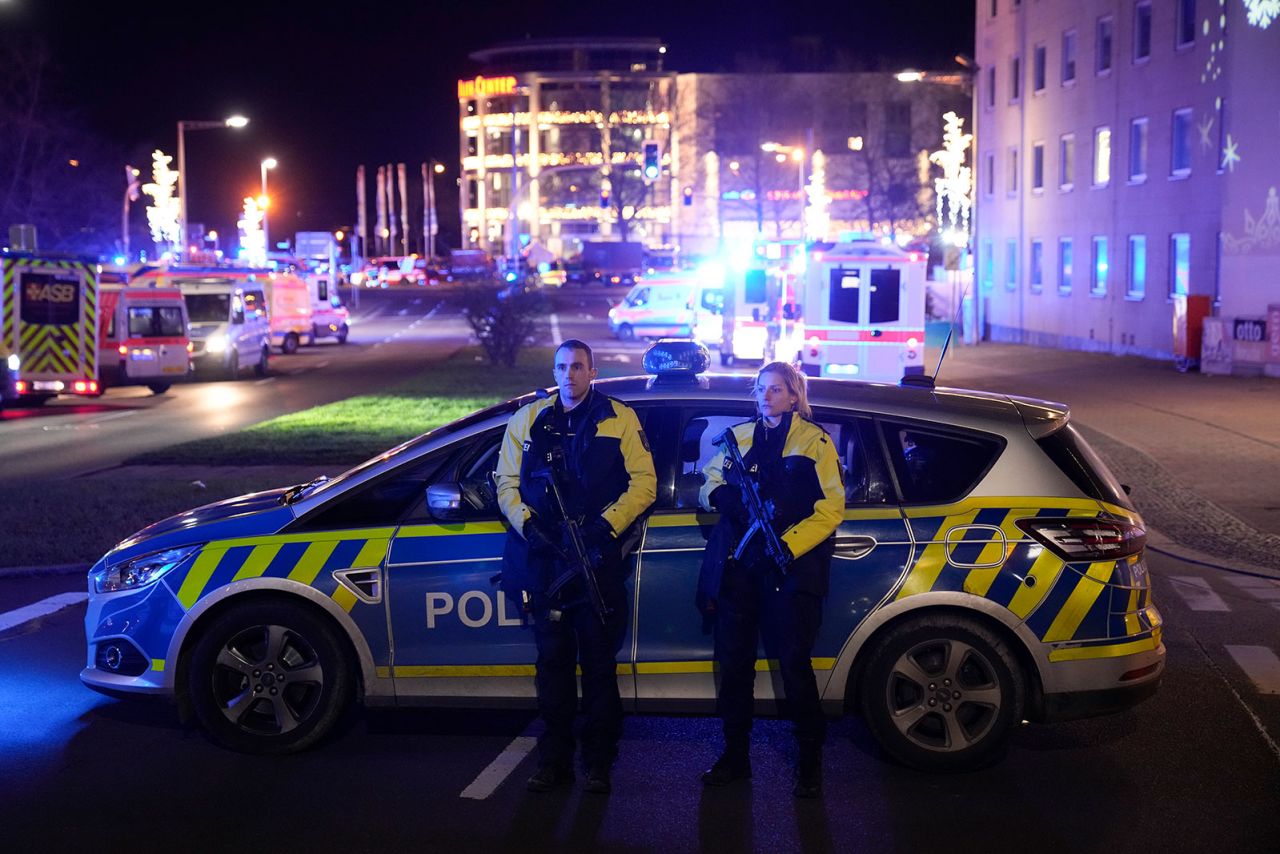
924, 380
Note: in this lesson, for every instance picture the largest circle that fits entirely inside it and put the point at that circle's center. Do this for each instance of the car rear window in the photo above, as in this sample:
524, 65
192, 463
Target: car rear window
1071, 453
937, 466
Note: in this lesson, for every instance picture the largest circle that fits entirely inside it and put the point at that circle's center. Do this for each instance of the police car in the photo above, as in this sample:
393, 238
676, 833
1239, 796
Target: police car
989, 569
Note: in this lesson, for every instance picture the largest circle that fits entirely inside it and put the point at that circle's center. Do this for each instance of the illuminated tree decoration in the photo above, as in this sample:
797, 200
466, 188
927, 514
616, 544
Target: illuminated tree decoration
817, 213
162, 213
1262, 12
954, 188
253, 243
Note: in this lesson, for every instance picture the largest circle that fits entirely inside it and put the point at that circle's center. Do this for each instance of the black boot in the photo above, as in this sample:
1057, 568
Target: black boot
809, 772
732, 765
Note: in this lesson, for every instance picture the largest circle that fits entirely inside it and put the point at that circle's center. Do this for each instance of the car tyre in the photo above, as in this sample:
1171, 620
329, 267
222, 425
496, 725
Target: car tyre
726, 359
158, 388
269, 678
942, 693
260, 369
233, 365
626, 332
342, 334
290, 344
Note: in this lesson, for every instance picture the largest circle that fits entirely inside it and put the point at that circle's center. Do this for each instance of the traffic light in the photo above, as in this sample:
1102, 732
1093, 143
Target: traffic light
688, 197
652, 161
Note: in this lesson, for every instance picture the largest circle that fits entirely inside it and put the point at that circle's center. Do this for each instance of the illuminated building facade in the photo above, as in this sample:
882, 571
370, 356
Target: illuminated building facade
1126, 160
555, 138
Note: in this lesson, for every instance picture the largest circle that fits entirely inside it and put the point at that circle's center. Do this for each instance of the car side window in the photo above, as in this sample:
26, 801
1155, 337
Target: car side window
698, 437
935, 466
392, 499
639, 299
864, 481
474, 476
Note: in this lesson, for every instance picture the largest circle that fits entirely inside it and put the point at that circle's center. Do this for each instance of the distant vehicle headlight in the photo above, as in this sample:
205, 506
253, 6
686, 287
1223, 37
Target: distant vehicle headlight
140, 571
215, 343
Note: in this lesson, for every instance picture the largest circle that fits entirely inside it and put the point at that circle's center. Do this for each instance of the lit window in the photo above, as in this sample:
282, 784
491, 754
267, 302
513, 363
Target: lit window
1064, 266
1137, 284
1179, 264
1138, 150
988, 265
1180, 155
1100, 264
1101, 156
1037, 265
1011, 265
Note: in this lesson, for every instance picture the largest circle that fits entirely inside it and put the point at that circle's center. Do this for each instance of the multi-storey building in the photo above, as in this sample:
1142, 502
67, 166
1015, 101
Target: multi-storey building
1127, 157
555, 136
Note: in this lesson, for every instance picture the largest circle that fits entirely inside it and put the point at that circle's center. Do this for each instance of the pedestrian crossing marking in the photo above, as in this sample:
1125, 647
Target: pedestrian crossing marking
1260, 664
1195, 591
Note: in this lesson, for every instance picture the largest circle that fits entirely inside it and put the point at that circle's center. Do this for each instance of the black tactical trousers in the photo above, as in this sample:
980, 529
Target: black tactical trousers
750, 607
577, 637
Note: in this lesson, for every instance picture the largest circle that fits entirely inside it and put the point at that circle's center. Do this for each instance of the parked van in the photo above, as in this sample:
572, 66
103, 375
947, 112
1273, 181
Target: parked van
227, 314
329, 317
290, 311
669, 306
142, 336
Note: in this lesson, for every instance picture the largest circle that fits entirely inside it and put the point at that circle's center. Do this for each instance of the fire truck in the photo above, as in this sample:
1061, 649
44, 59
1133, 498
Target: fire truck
48, 327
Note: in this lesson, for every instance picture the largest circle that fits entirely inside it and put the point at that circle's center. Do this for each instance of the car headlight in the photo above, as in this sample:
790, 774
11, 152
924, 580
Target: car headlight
215, 343
140, 571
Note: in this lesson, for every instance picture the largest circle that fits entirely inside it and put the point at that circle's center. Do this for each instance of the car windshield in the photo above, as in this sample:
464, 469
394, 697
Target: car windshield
208, 308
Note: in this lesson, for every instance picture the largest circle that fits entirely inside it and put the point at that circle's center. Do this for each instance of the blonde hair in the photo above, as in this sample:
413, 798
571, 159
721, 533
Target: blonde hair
796, 383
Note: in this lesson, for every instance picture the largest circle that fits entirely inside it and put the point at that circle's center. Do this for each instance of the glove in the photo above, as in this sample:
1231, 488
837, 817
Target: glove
727, 499
598, 540
541, 540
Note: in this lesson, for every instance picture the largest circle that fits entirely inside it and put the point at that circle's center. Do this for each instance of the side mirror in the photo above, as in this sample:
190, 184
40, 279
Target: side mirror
444, 501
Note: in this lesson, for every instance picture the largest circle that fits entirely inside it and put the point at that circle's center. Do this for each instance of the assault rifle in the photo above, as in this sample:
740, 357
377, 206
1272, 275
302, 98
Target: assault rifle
578, 563
757, 509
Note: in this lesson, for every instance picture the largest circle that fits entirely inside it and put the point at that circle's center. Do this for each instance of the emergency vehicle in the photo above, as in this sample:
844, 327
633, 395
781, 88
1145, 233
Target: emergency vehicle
861, 313
48, 328
289, 308
329, 317
676, 304
758, 297
143, 337
989, 570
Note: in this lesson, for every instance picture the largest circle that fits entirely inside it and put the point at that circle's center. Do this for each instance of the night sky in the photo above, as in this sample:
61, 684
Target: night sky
328, 86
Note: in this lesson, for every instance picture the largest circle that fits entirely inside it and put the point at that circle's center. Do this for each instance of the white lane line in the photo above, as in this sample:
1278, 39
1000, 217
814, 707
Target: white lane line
1266, 589
44, 607
1260, 664
113, 416
555, 328
266, 380
500, 768
1196, 593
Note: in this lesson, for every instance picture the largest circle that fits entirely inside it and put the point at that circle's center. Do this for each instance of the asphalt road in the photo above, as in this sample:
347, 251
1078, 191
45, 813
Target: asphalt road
1196, 768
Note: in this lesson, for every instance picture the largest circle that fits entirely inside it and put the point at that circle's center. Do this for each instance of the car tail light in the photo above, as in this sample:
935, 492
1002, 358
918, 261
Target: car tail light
122, 350
1081, 539
20, 386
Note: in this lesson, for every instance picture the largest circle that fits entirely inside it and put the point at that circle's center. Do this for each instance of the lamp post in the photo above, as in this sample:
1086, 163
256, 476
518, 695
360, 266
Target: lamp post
184, 126
131, 185
269, 163
780, 153
430, 225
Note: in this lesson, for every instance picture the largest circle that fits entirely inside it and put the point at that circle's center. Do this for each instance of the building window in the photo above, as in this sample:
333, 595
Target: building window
1106, 29
1064, 265
1101, 156
1179, 264
1068, 57
1138, 150
1038, 61
1037, 167
1098, 285
1185, 24
1180, 155
1066, 161
1015, 79
991, 175
897, 129
1011, 265
1137, 283
991, 87
994, 3
1142, 31
988, 265
1037, 265
1013, 170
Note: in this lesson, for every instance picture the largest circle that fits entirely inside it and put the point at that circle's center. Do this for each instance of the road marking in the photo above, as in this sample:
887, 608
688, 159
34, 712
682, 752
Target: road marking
1196, 593
1266, 589
44, 607
555, 328
266, 380
500, 768
1260, 664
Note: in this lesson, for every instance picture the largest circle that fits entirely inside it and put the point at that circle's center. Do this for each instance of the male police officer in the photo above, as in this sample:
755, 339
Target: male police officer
595, 449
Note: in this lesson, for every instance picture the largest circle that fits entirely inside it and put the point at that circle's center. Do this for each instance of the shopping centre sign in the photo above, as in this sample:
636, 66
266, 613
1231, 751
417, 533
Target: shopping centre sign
486, 87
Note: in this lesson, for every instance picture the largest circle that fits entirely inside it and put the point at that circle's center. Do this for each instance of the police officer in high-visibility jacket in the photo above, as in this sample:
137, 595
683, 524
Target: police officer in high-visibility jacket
595, 448
797, 469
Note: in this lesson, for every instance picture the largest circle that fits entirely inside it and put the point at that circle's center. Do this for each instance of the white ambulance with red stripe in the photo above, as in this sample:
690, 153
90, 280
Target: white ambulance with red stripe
142, 337
861, 313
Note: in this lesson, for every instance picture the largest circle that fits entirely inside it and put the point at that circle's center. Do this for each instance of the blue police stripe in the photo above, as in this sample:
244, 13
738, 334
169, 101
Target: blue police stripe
228, 567
1044, 614
1095, 622
1011, 574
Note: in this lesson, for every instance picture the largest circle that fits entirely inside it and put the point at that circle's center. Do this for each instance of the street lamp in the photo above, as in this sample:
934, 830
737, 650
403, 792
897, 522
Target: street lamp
236, 122
269, 163
430, 224
780, 153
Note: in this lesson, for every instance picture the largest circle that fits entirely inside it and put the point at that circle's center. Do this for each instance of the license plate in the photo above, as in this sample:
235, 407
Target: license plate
47, 385
174, 369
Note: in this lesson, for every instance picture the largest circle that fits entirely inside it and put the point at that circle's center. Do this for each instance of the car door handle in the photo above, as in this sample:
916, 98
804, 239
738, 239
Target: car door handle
854, 546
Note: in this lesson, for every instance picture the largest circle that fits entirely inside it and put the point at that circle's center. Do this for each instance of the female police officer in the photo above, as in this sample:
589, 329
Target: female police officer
797, 470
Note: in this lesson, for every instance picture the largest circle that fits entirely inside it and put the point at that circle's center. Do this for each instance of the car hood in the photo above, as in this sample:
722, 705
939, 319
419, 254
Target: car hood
252, 515
203, 330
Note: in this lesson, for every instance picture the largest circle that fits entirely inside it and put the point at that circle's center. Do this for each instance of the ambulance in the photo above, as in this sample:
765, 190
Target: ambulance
860, 309
758, 300
48, 328
329, 317
143, 337
290, 311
